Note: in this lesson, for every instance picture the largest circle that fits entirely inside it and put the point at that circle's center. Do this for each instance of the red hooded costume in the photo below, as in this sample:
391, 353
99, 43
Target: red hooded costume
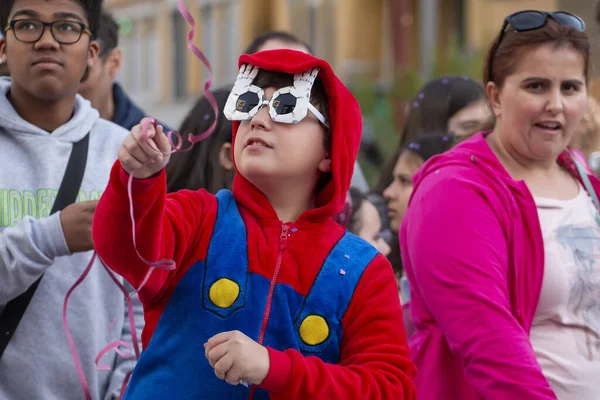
322, 300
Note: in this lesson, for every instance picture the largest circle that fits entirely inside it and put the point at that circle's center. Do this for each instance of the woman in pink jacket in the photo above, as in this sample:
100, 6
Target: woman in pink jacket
501, 241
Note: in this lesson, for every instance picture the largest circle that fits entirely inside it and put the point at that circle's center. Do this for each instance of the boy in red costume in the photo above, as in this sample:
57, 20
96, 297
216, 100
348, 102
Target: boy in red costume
268, 289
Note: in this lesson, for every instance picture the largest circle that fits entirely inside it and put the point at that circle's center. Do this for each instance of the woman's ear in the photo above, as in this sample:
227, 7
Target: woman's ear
493, 94
226, 157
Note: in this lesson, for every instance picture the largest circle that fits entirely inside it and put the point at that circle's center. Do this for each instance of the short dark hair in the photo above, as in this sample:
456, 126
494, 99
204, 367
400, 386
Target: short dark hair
318, 95
108, 34
92, 8
286, 37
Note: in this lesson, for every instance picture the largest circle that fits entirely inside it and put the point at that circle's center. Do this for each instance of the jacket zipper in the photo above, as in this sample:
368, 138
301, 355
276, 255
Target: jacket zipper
282, 245
283, 236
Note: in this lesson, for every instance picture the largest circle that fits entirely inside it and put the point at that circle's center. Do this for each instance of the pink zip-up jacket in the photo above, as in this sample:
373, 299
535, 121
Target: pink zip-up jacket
473, 252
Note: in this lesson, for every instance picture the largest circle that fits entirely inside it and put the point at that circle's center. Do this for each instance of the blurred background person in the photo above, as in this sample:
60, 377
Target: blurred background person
587, 139
363, 220
455, 104
99, 85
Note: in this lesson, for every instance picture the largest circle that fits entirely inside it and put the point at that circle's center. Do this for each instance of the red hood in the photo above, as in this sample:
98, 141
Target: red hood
346, 128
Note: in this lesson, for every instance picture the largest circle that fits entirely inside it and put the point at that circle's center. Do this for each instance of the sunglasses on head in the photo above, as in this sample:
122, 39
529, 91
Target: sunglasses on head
531, 20
288, 105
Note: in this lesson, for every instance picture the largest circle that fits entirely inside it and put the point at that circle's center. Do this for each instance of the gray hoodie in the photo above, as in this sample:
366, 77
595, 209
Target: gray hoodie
37, 363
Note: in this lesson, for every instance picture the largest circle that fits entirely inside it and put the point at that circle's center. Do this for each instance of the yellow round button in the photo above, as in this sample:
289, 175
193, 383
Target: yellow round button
224, 292
314, 330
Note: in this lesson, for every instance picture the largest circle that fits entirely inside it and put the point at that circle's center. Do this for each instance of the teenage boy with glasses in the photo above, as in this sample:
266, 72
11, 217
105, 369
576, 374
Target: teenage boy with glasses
44, 124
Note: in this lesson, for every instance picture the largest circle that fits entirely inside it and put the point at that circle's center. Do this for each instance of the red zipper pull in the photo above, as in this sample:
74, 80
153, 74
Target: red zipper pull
283, 237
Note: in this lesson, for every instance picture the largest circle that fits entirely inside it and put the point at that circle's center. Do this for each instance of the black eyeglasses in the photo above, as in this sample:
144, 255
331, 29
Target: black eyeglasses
531, 20
32, 30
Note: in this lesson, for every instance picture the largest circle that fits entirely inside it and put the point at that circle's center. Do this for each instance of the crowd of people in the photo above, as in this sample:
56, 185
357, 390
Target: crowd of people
260, 264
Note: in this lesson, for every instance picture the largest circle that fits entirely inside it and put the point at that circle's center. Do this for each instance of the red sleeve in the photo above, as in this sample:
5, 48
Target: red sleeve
374, 362
457, 252
166, 227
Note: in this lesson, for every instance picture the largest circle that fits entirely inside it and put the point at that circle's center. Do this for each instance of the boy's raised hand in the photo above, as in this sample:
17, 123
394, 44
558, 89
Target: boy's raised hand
145, 157
236, 358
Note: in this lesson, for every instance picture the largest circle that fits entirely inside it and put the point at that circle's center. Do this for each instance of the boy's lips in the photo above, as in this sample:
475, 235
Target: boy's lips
45, 60
257, 142
47, 64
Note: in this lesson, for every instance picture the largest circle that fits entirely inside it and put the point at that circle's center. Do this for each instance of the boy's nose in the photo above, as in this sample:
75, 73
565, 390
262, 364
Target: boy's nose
262, 119
47, 40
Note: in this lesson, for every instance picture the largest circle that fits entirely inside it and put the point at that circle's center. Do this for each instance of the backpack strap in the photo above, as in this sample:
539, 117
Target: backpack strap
67, 194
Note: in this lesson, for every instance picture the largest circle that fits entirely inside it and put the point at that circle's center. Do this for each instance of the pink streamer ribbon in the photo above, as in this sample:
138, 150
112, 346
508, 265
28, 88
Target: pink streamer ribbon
84, 384
165, 264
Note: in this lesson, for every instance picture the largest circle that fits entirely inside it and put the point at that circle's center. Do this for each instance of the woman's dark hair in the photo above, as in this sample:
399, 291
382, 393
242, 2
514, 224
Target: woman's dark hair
357, 197
515, 45
438, 101
430, 110
200, 167
285, 37
92, 8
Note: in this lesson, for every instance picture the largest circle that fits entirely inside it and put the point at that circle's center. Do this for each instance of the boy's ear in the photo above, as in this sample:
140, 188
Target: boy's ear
325, 164
93, 52
2, 50
226, 156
